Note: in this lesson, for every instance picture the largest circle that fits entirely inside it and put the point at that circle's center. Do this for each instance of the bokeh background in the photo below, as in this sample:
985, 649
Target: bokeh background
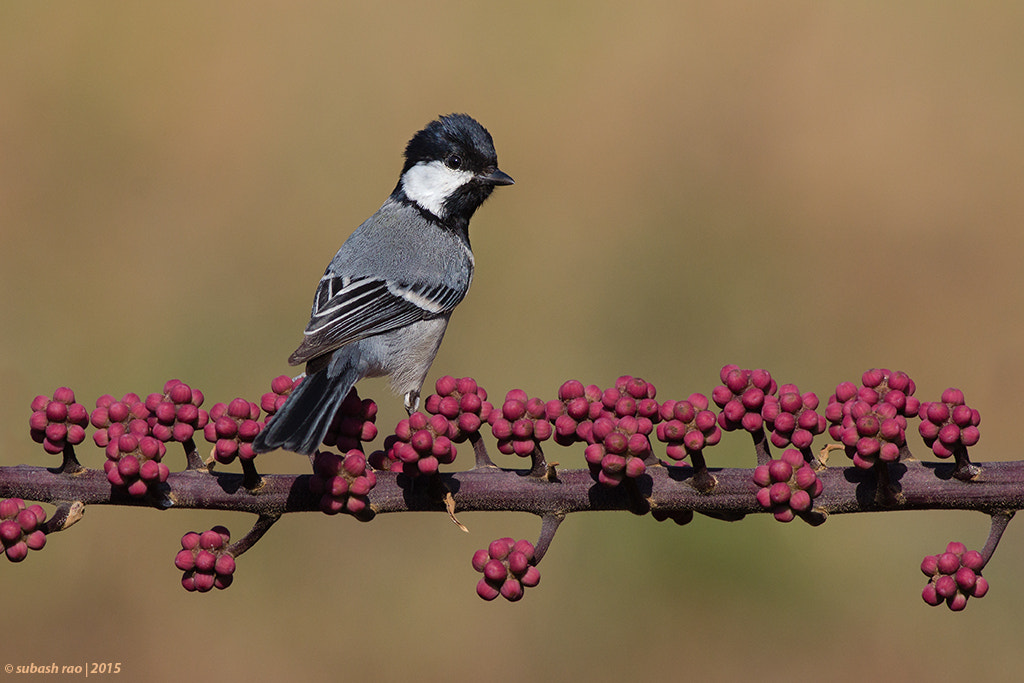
813, 188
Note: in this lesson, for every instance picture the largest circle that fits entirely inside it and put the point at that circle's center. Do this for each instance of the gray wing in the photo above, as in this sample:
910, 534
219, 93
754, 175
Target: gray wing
346, 309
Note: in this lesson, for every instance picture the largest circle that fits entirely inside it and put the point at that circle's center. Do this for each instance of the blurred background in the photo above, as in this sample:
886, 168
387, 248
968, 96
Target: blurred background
812, 188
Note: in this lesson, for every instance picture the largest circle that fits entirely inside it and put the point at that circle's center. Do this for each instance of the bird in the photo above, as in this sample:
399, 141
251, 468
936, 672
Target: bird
383, 303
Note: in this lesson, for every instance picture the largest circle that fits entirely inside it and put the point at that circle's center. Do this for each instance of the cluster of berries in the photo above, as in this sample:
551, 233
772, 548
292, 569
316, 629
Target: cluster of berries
463, 403
206, 560
175, 414
520, 424
871, 421
232, 429
792, 417
419, 445
58, 421
954, 576
342, 481
616, 423
788, 485
133, 453
574, 412
20, 528
949, 424
508, 569
687, 426
741, 397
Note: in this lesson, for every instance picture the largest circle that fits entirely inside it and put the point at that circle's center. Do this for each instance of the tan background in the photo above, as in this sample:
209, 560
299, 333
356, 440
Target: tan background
815, 189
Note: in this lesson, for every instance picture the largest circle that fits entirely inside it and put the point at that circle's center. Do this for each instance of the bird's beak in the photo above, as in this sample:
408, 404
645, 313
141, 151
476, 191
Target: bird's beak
496, 177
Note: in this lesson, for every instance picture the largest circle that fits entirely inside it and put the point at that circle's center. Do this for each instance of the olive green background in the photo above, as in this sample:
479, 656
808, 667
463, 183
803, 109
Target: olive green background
812, 188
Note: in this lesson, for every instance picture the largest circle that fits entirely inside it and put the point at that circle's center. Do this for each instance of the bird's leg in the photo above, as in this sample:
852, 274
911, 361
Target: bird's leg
412, 401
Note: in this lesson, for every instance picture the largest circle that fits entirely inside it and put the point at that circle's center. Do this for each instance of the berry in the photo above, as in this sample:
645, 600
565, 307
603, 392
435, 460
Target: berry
954, 576
520, 424
787, 486
419, 445
206, 560
871, 421
949, 424
58, 421
792, 417
175, 415
508, 568
20, 527
741, 396
687, 426
232, 428
342, 481
463, 403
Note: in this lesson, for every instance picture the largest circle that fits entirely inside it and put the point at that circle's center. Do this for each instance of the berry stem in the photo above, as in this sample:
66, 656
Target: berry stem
251, 479
195, 461
539, 467
887, 491
548, 526
480, 451
70, 464
260, 527
1000, 520
761, 447
965, 470
703, 480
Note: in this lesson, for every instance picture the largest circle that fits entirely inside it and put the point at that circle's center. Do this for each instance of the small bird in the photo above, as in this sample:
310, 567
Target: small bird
384, 301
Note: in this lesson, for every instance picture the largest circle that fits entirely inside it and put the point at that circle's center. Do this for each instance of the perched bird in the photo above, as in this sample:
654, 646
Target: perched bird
383, 304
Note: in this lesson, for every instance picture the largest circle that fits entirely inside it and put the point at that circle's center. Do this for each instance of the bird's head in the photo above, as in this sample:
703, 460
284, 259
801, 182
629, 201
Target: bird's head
450, 169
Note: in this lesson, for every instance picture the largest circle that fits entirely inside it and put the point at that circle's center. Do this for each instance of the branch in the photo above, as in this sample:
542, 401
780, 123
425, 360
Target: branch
924, 486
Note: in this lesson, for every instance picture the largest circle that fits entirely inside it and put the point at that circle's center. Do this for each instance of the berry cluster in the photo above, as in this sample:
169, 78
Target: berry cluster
620, 447
354, 423
787, 485
615, 422
20, 528
741, 397
508, 569
949, 424
232, 429
342, 481
206, 560
58, 421
954, 576
871, 421
687, 426
521, 424
574, 412
133, 453
419, 445
792, 417
463, 403
175, 415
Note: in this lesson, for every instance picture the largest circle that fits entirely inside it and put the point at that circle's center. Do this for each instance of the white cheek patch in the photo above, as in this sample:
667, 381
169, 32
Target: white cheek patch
429, 184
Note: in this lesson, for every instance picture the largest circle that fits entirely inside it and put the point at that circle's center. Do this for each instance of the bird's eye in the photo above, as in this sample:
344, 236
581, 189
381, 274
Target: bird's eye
453, 161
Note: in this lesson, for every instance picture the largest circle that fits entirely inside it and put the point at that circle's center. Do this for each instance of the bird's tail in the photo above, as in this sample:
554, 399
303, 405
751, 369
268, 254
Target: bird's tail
304, 418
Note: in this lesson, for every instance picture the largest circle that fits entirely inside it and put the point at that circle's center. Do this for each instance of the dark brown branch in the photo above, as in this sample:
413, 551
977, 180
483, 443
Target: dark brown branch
923, 486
